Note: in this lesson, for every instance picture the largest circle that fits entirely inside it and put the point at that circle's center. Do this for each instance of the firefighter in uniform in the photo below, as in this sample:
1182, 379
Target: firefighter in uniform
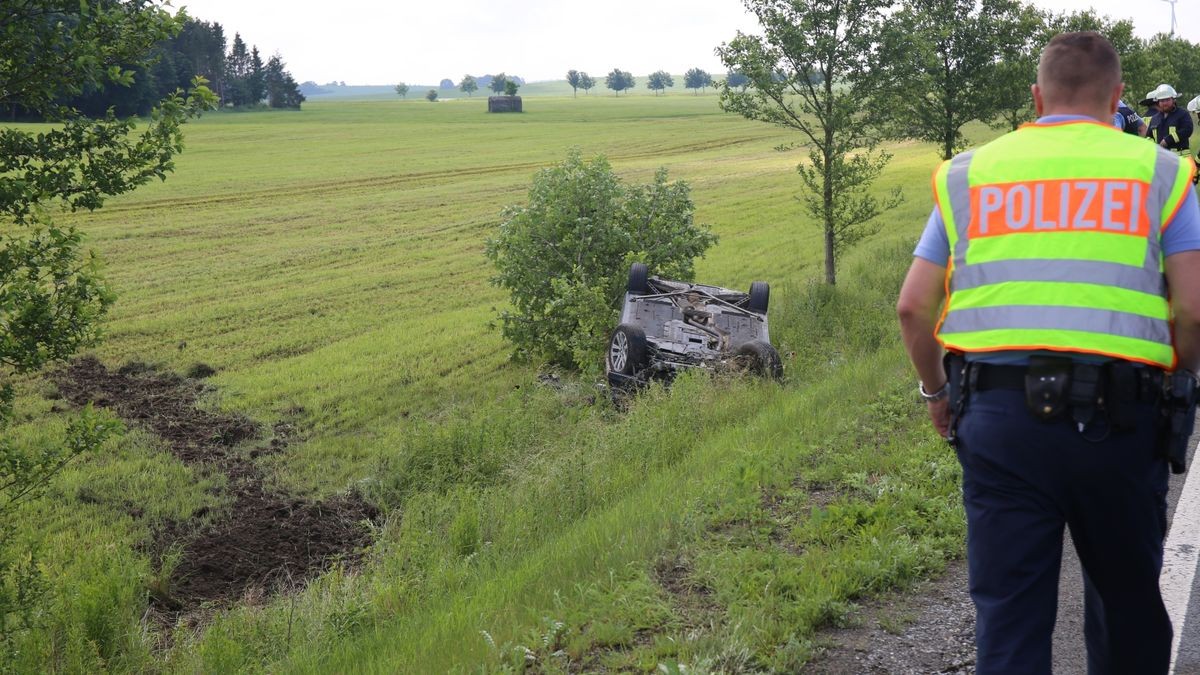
1042, 277
1170, 126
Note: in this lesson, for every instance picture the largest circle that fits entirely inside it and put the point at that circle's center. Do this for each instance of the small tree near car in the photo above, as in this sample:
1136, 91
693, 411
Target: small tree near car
804, 49
564, 256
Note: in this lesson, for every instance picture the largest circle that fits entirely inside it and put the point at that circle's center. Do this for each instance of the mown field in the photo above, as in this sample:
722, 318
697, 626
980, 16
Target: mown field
327, 264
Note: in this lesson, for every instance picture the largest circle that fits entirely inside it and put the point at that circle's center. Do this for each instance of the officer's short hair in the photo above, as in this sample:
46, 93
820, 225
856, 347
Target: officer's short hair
1081, 67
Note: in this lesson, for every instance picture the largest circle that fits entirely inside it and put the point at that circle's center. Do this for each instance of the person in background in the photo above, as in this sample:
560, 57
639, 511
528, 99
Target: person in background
1126, 119
1171, 126
1043, 272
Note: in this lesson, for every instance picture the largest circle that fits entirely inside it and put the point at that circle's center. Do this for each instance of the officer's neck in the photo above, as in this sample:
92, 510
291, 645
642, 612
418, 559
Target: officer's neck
1100, 114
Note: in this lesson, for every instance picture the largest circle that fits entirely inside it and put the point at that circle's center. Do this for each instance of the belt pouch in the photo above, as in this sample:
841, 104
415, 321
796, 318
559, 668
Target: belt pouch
1122, 391
1046, 386
1084, 392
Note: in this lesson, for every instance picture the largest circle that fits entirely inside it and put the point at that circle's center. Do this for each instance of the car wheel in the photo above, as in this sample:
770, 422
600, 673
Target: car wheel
628, 354
760, 295
638, 276
759, 358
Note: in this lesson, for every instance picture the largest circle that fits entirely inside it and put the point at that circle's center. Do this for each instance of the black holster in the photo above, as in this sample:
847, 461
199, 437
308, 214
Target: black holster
1178, 412
956, 379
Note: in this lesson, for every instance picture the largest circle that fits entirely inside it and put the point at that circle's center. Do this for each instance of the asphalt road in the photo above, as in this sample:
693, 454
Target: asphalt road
1180, 584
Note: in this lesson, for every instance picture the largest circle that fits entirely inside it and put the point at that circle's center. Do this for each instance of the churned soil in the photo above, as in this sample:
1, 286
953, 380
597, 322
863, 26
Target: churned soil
267, 541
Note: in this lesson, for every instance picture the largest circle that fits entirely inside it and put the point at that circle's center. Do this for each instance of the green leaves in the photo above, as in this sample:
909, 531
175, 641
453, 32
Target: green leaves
51, 298
58, 48
618, 80
565, 255
807, 72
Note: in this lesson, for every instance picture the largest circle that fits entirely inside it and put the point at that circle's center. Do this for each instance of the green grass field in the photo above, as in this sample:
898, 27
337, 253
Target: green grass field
328, 264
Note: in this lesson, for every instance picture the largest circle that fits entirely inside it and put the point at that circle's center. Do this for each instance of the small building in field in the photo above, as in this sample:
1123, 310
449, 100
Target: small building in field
498, 104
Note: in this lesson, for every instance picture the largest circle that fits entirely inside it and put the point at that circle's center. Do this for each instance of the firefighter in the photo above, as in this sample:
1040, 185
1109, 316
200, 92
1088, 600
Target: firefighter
1171, 126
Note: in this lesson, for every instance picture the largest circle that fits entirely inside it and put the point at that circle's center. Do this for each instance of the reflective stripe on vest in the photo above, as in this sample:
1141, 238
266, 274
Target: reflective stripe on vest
1055, 243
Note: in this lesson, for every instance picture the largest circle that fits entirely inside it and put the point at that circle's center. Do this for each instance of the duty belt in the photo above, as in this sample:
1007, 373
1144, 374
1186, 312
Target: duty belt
1148, 382
1056, 387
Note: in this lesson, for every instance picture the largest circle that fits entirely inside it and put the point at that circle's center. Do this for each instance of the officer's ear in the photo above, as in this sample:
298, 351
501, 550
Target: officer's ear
1038, 104
1116, 98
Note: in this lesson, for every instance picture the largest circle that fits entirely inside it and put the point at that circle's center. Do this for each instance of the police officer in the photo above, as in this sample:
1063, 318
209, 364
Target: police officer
1170, 126
1126, 119
1046, 254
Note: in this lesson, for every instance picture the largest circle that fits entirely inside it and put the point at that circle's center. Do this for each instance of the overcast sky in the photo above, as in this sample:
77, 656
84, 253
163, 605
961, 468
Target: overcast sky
423, 41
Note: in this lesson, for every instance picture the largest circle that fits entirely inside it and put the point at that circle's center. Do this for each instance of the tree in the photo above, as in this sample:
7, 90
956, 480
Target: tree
696, 79
659, 80
574, 80
431, 95
402, 90
446, 83
619, 80
468, 85
737, 80
237, 71
51, 294
1137, 62
256, 83
282, 90
1012, 102
497, 83
510, 88
586, 82
933, 65
793, 66
564, 255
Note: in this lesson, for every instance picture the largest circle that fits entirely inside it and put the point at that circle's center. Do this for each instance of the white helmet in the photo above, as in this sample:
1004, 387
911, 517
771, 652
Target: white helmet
1194, 105
1163, 91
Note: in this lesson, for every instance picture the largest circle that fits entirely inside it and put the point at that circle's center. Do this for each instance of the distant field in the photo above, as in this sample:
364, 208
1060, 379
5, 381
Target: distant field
327, 263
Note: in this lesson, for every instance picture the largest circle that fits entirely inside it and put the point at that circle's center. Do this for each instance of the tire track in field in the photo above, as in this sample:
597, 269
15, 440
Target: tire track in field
380, 182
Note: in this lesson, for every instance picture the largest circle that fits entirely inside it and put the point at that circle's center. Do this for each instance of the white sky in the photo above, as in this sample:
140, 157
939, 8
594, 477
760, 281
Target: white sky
422, 41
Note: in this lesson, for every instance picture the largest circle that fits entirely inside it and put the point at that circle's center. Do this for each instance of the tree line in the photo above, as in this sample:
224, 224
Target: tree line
851, 74
235, 72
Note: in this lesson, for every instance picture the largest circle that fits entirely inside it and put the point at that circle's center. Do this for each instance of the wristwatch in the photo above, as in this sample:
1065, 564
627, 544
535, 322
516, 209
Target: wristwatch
935, 396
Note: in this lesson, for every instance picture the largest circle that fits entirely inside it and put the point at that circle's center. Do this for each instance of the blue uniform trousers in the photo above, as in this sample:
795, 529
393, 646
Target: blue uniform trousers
1023, 480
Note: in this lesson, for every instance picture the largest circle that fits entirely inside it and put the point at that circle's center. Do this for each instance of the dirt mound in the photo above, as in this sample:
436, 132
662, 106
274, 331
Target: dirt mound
267, 541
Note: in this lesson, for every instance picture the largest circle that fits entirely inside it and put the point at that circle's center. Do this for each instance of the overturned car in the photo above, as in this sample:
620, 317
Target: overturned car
668, 326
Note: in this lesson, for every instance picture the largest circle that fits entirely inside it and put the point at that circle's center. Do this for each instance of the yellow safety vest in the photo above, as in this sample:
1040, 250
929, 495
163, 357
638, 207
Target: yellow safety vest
1054, 235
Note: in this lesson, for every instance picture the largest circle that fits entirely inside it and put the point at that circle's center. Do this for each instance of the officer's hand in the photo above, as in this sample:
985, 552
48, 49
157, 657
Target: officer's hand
1163, 142
939, 412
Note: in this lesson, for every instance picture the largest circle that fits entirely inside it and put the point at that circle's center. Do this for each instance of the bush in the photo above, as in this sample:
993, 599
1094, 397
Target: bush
564, 257
431, 95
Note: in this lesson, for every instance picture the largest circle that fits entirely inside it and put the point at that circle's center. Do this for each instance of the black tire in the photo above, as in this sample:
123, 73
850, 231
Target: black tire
760, 296
628, 352
758, 358
638, 276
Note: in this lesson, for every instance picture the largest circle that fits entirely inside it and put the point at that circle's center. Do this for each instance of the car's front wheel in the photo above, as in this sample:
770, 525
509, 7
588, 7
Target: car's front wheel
628, 353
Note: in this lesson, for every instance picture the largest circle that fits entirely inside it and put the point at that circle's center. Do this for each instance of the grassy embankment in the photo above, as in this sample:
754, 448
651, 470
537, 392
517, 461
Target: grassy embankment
328, 264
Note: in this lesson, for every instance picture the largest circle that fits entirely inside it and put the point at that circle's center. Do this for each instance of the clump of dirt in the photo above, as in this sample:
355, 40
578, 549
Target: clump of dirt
267, 540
